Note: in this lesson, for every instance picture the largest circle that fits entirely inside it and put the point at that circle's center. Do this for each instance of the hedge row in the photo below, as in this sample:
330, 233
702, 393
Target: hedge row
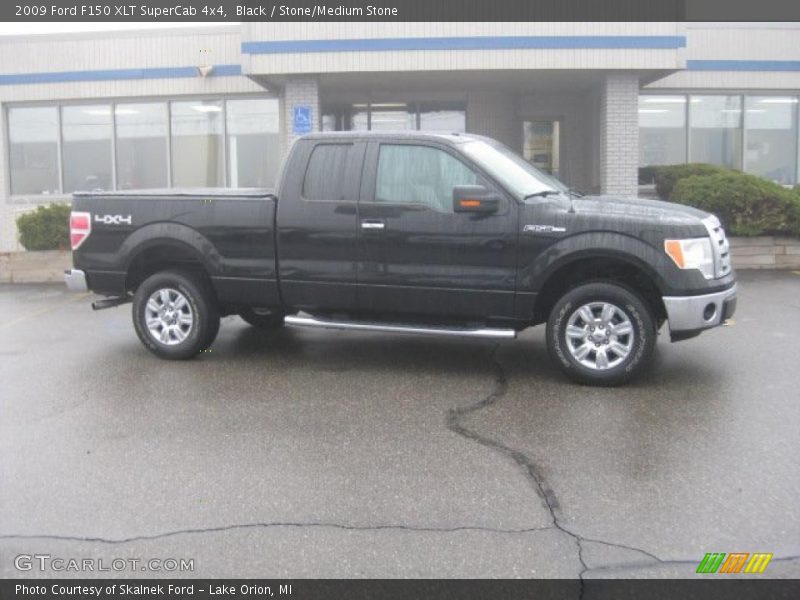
746, 204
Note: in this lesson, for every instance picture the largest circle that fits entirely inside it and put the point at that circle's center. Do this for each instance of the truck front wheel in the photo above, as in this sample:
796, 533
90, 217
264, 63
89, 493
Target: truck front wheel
175, 314
601, 334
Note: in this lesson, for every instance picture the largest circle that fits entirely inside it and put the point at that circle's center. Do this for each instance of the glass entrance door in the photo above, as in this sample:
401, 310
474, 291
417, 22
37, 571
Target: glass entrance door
541, 144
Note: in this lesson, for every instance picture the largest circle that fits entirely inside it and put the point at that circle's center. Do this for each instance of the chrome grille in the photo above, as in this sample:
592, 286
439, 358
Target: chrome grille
720, 246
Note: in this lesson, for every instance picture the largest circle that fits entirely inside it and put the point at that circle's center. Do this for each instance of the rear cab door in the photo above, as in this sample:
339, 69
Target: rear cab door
317, 232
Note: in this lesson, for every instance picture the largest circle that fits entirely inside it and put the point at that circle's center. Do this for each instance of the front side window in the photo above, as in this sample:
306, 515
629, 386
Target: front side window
33, 150
86, 147
325, 177
420, 175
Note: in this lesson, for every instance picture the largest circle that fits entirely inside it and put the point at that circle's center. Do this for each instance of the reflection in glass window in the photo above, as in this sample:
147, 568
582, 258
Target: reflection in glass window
420, 175
253, 142
86, 147
392, 117
662, 130
326, 171
771, 134
141, 146
442, 117
197, 144
33, 150
715, 130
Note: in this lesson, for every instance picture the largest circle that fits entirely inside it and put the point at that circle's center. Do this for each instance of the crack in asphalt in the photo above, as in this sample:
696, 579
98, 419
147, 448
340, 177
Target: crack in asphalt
266, 525
528, 466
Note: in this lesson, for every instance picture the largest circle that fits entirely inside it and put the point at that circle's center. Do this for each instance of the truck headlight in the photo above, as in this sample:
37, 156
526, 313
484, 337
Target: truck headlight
694, 253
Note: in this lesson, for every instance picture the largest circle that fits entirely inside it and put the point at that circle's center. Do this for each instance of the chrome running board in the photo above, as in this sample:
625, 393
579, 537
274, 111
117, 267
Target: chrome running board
483, 332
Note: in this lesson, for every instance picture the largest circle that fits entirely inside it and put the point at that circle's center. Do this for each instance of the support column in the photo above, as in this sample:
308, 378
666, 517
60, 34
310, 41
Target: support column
619, 134
298, 93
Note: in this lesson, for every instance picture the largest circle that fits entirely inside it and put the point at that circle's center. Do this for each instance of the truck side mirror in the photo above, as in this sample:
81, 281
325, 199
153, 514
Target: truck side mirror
475, 199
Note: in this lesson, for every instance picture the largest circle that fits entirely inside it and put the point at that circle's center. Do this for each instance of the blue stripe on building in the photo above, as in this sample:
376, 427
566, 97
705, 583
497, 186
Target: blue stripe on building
467, 43
743, 65
115, 74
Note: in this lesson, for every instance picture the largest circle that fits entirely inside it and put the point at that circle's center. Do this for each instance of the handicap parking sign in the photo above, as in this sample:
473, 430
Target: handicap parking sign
302, 119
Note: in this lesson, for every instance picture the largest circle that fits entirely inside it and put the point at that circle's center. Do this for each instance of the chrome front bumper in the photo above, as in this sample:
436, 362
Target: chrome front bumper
75, 280
695, 313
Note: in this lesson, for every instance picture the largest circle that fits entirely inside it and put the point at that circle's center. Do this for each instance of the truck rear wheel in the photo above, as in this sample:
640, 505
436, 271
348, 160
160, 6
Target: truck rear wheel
175, 314
271, 320
601, 334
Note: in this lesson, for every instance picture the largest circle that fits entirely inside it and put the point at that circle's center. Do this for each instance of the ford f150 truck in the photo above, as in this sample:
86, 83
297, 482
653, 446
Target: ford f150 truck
438, 234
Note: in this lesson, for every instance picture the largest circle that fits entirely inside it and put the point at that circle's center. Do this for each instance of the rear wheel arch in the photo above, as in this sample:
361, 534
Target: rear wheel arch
163, 255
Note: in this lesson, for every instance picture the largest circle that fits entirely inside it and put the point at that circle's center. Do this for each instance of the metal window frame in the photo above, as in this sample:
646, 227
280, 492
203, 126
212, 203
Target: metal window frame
742, 127
112, 102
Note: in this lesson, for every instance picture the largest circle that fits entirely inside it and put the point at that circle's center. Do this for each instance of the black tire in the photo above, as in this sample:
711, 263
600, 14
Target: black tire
267, 321
200, 305
608, 366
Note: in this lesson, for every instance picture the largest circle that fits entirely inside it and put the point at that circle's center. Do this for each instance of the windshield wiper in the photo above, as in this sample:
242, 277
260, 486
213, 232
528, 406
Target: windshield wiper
541, 194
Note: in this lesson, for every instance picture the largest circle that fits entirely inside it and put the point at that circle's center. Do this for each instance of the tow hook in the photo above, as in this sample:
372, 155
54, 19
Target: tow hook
110, 302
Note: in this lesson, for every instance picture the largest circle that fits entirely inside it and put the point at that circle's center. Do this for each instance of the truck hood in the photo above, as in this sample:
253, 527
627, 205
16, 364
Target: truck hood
638, 209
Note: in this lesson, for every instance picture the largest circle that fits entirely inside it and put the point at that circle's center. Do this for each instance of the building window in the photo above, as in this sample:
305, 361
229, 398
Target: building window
442, 117
662, 130
33, 150
86, 147
395, 116
197, 144
392, 117
253, 142
541, 145
771, 137
141, 146
715, 130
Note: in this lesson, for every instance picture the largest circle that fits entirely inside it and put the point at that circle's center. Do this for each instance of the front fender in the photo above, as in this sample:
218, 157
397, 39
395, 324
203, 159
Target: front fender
536, 268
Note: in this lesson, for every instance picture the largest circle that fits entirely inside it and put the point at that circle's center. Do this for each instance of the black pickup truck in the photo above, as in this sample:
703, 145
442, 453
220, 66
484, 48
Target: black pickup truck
437, 234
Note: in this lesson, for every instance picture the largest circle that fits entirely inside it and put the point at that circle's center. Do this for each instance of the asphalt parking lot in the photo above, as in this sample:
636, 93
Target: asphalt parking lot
323, 454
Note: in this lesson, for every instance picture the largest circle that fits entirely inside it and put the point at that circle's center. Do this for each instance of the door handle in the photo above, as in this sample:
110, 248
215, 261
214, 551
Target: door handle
373, 225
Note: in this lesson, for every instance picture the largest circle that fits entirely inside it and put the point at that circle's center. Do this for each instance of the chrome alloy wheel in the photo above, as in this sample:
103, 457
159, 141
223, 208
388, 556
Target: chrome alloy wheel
169, 316
599, 335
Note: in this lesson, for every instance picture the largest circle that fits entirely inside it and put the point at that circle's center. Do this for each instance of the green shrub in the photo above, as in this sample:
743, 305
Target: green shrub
667, 176
747, 205
46, 228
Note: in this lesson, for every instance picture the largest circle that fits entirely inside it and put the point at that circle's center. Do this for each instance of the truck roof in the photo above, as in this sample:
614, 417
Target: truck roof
189, 192
441, 136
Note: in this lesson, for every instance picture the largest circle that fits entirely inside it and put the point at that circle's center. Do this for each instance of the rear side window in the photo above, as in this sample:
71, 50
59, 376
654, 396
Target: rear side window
325, 175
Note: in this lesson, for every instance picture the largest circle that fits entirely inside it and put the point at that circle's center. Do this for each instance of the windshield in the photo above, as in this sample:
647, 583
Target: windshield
517, 174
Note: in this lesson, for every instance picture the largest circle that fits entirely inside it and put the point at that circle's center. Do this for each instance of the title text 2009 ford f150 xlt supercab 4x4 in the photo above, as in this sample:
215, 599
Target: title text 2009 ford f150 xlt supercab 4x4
447, 234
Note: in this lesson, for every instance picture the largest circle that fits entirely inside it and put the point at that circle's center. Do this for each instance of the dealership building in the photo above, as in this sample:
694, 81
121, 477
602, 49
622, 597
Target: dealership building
220, 106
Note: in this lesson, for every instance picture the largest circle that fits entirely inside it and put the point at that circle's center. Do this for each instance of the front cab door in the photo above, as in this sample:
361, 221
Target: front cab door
417, 256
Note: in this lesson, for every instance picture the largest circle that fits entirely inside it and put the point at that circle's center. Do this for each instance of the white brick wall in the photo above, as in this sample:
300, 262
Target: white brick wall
619, 134
302, 91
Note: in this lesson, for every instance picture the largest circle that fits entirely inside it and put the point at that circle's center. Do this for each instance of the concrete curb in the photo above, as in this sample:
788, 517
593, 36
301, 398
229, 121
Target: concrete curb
34, 267
763, 252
